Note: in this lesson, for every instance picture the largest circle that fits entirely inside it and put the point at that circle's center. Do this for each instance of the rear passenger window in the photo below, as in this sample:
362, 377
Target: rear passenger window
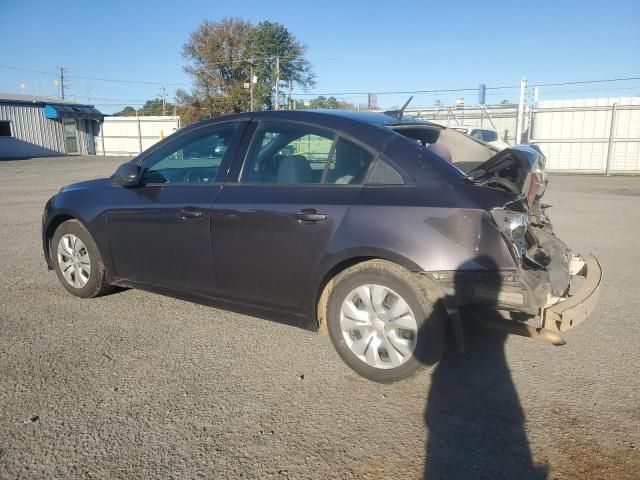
288, 154
384, 174
291, 153
349, 163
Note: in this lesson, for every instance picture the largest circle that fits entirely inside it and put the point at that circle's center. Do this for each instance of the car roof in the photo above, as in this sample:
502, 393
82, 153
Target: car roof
375, 118
365, 126
387, 118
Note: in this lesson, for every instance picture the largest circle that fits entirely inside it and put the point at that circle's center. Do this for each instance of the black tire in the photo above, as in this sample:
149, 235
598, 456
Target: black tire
421, 296
97, 284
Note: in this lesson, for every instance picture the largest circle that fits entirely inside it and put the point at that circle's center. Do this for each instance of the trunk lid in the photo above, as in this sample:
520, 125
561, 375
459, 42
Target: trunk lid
519, 169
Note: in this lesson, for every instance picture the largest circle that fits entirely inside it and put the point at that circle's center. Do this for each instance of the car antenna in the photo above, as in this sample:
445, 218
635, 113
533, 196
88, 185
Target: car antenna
399, 113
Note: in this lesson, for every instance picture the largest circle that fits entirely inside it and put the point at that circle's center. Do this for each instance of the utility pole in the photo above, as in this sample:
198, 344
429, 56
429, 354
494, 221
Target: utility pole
289, 98
520, 118
62, 71
251, 86
163, 96
277, 106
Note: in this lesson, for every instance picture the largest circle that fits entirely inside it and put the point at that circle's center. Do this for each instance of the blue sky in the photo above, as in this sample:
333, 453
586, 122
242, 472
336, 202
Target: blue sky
354, 46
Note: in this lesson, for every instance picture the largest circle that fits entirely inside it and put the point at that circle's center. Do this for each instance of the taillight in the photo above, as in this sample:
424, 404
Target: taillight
513, 226
533, 189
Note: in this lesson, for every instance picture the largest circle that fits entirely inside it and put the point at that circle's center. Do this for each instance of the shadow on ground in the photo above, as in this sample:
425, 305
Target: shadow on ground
474, 420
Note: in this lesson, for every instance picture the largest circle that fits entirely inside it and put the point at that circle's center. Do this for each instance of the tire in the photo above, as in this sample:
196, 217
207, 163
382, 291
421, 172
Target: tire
90, 282
411, 349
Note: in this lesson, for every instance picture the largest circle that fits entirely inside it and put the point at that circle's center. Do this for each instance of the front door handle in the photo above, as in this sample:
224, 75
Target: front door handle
188, 213
309, 215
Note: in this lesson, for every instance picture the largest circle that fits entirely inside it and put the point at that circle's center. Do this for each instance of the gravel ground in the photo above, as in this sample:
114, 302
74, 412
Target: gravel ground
137, 385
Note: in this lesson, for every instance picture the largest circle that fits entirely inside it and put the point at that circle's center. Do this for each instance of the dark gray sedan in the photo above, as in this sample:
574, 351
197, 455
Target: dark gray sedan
375, 228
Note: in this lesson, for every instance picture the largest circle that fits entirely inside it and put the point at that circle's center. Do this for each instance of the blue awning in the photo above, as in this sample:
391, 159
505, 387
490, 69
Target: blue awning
54, 111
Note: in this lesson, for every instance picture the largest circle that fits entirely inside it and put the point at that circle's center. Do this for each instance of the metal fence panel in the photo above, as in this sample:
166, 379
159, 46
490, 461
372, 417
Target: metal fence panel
132, 135
502, 118
589, 135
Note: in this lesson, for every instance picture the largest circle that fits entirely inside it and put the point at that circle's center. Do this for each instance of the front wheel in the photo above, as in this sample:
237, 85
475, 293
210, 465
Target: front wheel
384, 322
77, 261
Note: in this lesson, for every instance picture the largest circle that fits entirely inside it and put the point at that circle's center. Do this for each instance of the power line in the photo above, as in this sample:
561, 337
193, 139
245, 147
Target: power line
301, 94
612, 89
409, 92
109, 99
131, 82
585, 82
55, 74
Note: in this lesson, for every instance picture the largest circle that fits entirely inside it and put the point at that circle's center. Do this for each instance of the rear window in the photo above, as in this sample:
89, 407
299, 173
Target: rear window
484, 135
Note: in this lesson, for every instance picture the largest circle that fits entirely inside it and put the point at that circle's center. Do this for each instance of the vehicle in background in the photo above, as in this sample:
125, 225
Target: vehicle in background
484, 134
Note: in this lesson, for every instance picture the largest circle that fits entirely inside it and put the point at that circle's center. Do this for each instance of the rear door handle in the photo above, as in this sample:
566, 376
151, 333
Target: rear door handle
309, 215
189, 213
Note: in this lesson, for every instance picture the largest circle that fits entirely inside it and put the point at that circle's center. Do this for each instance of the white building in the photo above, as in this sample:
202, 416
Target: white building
41, 126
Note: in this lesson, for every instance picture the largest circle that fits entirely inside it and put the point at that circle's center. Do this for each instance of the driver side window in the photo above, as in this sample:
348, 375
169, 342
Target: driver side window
193, 158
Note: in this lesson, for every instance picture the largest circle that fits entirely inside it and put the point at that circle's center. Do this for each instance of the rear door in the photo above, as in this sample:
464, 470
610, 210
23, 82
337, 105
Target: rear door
159, 232
271, 225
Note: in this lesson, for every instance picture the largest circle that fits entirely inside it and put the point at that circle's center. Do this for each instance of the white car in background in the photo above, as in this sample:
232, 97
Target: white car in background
484, 134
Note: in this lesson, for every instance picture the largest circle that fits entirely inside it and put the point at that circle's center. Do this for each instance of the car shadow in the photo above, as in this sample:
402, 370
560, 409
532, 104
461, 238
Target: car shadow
473, 417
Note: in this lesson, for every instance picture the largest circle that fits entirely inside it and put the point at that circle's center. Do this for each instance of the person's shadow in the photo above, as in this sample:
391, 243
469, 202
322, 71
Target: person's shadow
474, 420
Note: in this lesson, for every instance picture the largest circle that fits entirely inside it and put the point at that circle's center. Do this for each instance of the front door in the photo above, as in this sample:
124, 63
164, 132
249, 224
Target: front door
70, 136
159, 232
271, 229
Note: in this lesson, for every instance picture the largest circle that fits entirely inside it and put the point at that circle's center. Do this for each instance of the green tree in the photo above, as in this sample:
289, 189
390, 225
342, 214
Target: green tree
220, 58
154, 107
151, 107
329, 102
127, 111
218, 54
273, 47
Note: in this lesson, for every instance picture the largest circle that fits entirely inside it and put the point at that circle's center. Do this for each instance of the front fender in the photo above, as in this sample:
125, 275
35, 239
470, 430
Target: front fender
89, 207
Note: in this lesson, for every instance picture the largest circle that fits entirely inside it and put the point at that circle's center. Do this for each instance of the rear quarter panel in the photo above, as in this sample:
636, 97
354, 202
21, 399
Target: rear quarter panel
436, 228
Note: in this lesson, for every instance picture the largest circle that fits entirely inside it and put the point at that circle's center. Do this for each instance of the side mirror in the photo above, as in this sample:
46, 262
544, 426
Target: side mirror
127, 175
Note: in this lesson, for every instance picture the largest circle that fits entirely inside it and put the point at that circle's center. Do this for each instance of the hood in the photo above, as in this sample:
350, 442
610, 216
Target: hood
96, 183
520, 169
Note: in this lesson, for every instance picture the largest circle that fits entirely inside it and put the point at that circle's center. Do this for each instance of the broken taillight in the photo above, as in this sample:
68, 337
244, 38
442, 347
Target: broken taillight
533, 189
513, 225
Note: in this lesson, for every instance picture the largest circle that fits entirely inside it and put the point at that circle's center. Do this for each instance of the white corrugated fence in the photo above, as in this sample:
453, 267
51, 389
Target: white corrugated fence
132, 135
589, 135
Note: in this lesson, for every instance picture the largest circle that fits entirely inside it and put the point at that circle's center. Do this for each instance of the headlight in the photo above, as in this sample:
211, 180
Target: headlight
513, 226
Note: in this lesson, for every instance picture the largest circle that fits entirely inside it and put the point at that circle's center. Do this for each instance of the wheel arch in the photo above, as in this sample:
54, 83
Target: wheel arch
54, 221
49, 230
338, 264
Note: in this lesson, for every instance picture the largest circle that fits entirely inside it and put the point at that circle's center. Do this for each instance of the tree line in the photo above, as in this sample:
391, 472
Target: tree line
221, 58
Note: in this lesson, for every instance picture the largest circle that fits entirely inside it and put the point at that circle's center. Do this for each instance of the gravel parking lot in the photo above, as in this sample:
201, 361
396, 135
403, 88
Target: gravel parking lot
138, 385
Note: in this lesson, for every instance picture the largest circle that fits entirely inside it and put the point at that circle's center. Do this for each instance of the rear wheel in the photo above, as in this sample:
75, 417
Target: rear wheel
383, 321
77, 261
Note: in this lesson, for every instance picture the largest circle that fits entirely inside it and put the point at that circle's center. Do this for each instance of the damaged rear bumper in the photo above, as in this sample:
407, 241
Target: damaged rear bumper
565, 313
527, 298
